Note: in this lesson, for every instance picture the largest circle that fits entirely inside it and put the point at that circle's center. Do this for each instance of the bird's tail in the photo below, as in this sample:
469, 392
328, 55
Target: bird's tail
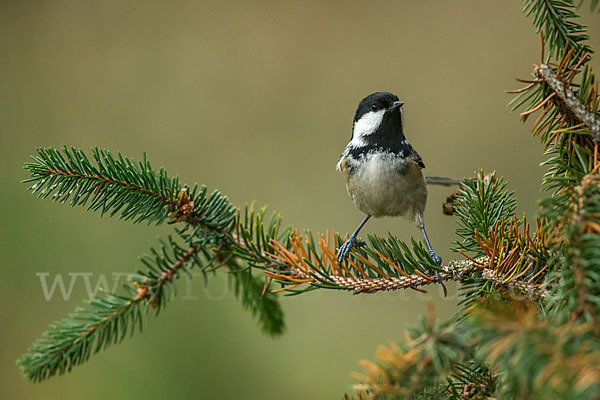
442, 180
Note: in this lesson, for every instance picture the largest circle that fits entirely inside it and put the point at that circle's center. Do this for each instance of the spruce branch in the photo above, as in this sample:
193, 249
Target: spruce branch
481, 203
570, 100
557, 20
566, 105
120, 185
301, 262
217, 237
163, 266
579, 240
455, 270
420, 366
567, 94
71, 341
295, 268
520, 288
534, 355
108, 320
115, 184
488, 227
264, 306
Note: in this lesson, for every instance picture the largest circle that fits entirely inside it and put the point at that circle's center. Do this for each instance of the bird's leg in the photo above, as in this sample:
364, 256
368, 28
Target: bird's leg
351, 242
437, 259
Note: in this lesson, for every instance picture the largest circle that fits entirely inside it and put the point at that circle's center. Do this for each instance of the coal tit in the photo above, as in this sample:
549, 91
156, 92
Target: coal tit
382, 170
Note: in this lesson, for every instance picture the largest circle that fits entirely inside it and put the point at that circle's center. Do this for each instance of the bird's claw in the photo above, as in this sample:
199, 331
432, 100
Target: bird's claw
347, 246
438, 260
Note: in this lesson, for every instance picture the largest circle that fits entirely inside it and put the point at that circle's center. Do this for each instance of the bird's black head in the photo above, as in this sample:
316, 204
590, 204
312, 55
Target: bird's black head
378, 101
378, 122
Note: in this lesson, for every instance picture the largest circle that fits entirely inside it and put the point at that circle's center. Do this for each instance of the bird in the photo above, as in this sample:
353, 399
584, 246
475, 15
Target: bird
382, 169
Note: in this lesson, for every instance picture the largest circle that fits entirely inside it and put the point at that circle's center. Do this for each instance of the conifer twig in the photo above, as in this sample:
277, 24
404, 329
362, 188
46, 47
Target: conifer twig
455, 270
569, 99
153, 289
527, 290
71, 341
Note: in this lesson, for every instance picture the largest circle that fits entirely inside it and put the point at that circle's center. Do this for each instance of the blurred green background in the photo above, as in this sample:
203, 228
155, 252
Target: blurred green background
255, 99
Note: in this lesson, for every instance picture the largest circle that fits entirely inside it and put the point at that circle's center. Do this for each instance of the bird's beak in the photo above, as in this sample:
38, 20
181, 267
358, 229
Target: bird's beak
397, 104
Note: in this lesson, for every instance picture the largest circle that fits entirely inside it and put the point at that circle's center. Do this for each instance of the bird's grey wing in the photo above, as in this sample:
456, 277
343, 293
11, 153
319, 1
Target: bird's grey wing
416, 158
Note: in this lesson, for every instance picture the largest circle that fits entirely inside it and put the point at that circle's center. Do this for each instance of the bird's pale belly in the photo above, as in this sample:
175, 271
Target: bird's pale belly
385, 185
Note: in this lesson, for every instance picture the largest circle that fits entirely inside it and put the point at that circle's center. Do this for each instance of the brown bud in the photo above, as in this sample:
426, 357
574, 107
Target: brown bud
448, 206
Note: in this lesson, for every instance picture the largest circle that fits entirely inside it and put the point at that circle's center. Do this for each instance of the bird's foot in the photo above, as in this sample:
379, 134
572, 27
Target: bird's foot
438, 260
347, 246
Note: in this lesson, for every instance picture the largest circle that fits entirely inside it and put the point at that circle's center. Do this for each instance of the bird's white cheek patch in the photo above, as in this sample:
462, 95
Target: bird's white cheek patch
365, 126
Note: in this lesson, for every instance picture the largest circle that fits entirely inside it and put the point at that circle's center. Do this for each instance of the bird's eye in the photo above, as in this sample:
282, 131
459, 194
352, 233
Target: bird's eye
374, 107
